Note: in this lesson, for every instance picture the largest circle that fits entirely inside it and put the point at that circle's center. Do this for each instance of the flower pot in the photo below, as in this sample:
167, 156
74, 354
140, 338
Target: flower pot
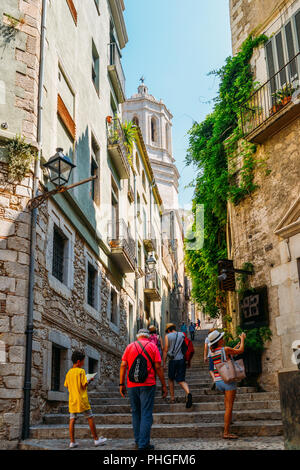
109, 119
286, 100
275, 108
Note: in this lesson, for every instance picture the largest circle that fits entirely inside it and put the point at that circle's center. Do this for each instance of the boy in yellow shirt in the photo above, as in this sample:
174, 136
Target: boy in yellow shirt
77, 383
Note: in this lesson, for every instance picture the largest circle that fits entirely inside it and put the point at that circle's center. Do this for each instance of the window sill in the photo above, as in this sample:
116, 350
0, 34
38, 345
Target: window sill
57, 396
59, 287
114, 327
92, 311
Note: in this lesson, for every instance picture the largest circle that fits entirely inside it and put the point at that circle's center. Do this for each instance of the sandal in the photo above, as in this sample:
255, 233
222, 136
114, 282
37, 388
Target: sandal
230, 436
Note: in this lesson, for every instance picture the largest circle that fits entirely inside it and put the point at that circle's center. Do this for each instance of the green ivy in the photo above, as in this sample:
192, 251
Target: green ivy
213, 148
20, 156
255, 338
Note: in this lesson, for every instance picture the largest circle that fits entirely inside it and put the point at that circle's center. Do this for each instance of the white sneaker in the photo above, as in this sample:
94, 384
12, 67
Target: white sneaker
73, 444
100, 441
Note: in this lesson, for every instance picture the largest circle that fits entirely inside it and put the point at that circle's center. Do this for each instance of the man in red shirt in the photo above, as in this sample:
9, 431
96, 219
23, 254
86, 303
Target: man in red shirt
142, 394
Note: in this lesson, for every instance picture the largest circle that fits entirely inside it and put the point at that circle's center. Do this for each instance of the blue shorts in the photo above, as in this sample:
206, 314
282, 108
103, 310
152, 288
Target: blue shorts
177, 370
223, 387
211, 364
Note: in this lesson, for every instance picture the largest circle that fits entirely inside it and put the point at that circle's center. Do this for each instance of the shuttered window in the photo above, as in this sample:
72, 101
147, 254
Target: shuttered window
281, 50
59, 242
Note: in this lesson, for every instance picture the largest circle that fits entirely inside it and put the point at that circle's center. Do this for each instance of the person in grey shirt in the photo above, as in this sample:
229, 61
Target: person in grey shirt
177, 363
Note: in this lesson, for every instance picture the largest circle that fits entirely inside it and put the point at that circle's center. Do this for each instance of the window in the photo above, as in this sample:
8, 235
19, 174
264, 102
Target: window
95, 67
95, 193
167, 136
92, 365
137, 162
97, 6
298, 266
144, 180
91, 287
153, 130
59, 242
55, 369
282, 49
72, 10
138, 205
114, 306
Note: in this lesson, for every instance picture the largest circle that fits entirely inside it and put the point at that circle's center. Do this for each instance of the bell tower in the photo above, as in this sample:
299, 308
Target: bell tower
155, 122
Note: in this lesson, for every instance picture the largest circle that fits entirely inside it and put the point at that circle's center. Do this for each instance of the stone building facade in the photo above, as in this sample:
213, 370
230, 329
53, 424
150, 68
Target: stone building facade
155, 122
93, 287
263, 229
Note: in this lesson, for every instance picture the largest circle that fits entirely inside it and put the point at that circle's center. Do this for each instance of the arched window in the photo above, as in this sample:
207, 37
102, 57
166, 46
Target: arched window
135, 121
153, 130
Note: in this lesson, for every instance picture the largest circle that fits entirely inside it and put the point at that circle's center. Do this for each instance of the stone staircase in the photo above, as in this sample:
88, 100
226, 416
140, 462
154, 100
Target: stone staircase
255, 414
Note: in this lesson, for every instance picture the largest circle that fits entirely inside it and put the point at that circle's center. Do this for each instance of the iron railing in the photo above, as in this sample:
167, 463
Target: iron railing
149, 234
271, 97
114, 58
115, 133
119, 236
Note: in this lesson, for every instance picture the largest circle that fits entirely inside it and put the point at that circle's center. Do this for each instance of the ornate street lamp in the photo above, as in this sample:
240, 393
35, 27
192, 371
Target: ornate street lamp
151, 263
59, 169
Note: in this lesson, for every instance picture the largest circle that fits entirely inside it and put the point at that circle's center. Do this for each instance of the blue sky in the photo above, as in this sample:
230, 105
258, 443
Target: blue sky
174, 44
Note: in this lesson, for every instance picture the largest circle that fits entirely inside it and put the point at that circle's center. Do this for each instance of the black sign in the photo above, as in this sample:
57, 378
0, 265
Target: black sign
254, 308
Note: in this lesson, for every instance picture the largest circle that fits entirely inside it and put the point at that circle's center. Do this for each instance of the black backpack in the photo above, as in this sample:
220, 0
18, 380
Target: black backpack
138, 372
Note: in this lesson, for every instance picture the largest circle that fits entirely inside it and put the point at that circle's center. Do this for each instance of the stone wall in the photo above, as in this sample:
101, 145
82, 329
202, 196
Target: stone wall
251, 16
14, 271
254, 221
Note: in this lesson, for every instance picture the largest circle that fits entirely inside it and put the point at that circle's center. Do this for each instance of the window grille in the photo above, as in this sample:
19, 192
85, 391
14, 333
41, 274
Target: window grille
58, 254
91, 285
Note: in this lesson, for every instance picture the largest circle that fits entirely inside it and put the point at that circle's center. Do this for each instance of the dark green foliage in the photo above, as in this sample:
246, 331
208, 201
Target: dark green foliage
214, 185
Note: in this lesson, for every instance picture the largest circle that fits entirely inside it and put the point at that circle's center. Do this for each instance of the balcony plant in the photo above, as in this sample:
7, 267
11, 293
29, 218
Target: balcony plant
283, 96
129, 131
20, 158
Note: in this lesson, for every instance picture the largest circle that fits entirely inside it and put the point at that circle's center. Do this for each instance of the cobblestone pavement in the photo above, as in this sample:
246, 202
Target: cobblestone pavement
245, 443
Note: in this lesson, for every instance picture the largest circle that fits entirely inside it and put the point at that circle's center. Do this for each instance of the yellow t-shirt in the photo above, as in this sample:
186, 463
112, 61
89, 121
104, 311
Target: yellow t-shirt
78, 397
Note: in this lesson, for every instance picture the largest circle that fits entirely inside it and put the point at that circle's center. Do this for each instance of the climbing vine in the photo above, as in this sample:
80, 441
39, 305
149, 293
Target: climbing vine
226, 165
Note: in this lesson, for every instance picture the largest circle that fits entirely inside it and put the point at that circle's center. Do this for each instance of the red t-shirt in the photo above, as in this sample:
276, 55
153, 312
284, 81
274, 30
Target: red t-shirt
132, 351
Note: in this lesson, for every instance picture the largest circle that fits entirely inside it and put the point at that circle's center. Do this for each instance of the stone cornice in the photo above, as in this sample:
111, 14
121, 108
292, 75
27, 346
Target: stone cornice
79, 333
290, 224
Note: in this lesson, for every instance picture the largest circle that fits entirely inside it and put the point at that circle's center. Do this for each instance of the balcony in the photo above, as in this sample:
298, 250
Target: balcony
150, 243
115, 71
122, 246
152, 287
274, 105
117, 149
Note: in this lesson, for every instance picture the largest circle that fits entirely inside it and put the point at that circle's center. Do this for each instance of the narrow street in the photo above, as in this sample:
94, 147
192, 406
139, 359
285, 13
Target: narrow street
256, 418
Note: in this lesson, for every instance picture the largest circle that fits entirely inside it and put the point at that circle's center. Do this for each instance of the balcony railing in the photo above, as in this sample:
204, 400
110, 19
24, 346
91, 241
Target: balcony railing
122, 245
116, 72
152, 286
116, 147
271, 102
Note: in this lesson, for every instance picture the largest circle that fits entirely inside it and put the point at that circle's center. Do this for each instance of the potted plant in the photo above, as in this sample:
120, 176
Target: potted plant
283, 96
109, 119
254, 347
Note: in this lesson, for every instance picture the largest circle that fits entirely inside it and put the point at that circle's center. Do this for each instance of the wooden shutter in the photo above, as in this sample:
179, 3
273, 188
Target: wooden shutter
291, 51
297, 24
280, 58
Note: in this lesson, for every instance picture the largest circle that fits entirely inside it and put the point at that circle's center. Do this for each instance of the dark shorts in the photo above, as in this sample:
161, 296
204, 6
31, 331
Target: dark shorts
177, 370
211, 364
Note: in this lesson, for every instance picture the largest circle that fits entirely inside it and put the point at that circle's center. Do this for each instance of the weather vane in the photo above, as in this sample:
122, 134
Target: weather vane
142, 79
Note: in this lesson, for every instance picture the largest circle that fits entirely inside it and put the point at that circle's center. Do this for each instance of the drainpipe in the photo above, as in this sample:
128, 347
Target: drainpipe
29, 330
136, 244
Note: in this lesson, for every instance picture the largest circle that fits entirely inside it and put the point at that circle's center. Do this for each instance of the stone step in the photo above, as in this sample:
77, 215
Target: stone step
115, 391
172, 418
180, 407
207, 396
215, 443
192, 430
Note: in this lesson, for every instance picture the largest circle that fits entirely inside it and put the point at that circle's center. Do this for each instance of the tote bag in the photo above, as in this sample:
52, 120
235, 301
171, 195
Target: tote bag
231, 371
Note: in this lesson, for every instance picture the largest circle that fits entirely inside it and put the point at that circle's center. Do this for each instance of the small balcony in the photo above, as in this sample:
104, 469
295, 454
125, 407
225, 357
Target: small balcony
274, 105
122, 246
115, 71
152, 286
116, 148
150, 242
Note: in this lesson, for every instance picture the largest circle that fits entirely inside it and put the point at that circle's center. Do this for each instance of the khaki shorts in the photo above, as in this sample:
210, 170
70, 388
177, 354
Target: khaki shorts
87, 413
